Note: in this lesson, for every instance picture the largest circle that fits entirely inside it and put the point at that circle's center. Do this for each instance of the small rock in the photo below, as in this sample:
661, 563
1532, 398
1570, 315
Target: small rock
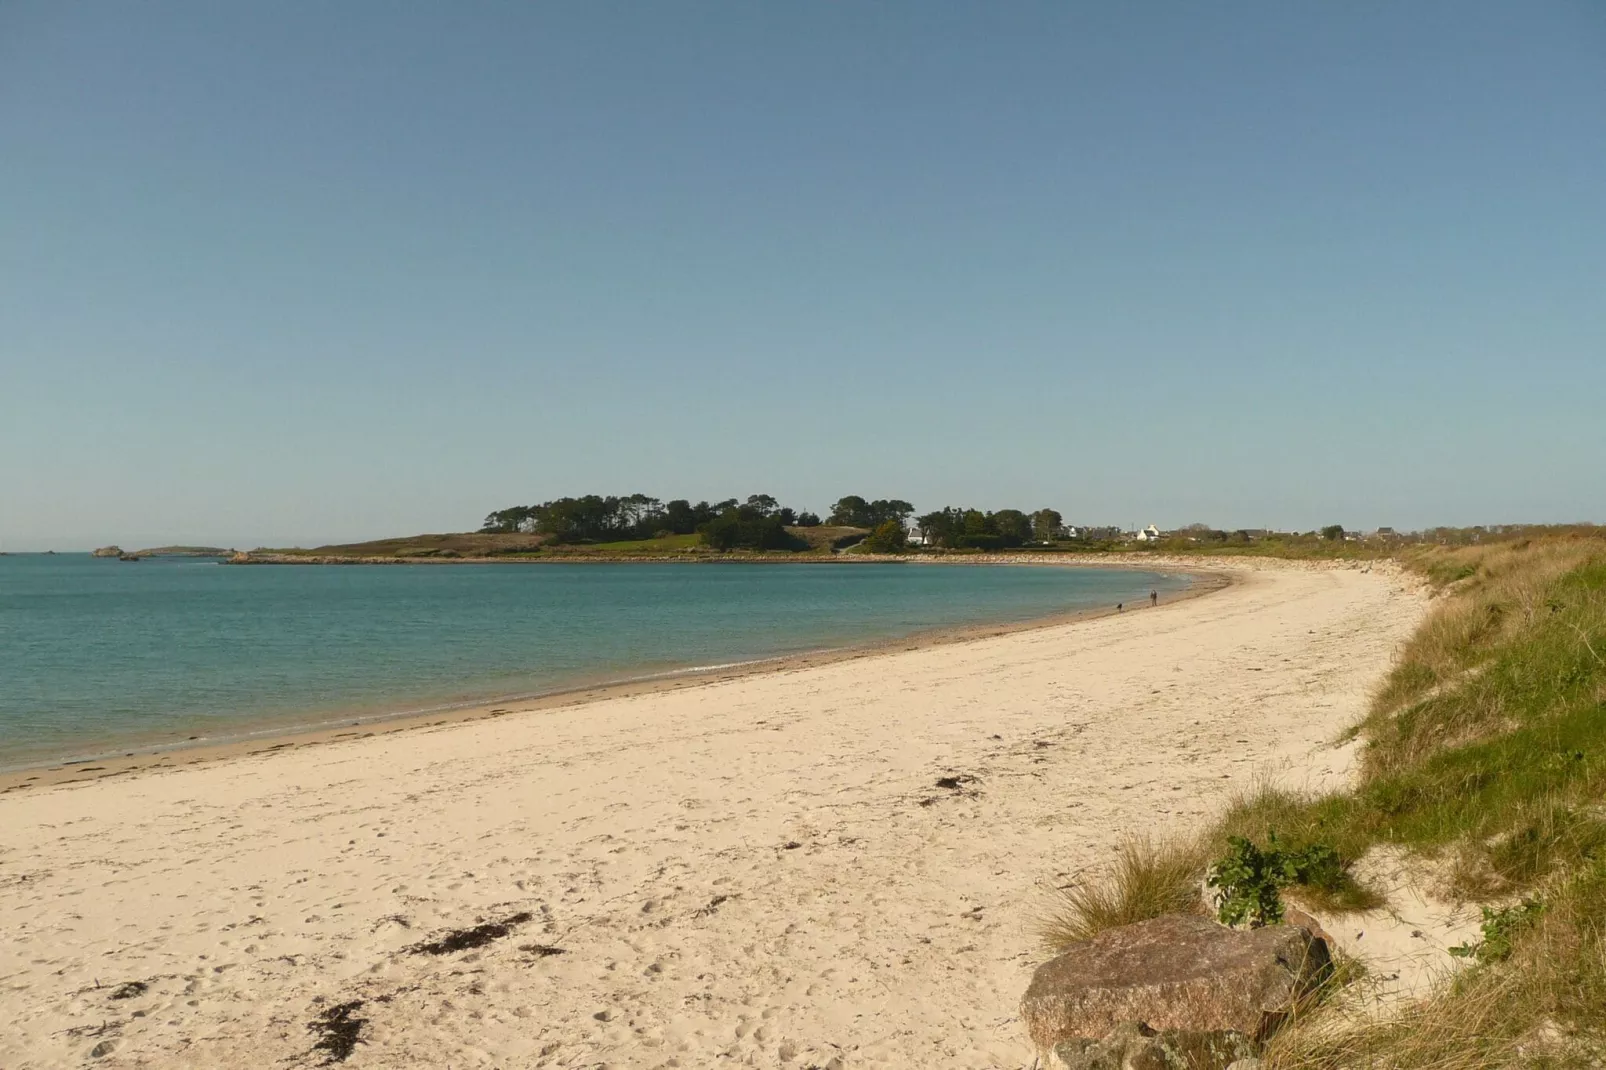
1292, 915
102, 1049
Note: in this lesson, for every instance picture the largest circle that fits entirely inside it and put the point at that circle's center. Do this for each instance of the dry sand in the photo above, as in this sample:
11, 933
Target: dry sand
754, 872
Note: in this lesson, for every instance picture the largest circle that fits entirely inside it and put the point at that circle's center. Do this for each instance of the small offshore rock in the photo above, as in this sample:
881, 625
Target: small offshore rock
108, 551
1179, 972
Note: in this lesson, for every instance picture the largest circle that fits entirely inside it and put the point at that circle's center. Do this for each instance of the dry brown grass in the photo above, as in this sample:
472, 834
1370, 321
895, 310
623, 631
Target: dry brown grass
464, 544
1149, 879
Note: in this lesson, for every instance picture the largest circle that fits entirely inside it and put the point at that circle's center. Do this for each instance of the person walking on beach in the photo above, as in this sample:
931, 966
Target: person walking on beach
1154, 598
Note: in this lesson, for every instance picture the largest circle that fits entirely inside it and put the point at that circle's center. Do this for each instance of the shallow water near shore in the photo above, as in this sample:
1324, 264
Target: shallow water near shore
99, 656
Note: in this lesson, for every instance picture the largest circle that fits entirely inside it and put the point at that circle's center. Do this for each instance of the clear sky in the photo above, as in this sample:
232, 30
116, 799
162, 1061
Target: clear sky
298, 272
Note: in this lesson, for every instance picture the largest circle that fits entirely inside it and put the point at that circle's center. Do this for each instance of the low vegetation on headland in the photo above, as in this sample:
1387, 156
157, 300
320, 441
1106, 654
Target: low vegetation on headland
161, 551
1484, 768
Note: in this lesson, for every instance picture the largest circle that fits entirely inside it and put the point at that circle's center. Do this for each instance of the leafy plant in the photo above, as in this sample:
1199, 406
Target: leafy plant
1247, 881
1249, 878
1499, 926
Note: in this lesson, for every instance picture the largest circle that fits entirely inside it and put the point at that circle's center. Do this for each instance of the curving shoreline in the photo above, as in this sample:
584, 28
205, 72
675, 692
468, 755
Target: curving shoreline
121, 760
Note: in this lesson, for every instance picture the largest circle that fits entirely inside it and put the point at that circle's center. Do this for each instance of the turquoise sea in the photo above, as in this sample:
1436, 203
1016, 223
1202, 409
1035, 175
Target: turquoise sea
101, 656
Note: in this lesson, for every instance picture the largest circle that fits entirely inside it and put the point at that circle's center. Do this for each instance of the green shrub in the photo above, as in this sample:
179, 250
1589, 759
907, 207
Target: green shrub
1249, 878
887, 538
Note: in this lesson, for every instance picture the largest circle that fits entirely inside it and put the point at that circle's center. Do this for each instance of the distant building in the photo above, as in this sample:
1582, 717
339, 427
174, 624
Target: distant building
914, 536
1148, 534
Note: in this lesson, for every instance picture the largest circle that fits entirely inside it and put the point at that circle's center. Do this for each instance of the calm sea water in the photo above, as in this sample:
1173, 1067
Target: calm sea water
100, 656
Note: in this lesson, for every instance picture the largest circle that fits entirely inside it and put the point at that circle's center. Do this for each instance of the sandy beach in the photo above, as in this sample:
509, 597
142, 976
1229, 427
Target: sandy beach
762, 871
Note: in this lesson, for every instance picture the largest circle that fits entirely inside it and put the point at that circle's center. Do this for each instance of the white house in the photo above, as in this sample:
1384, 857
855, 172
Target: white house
1149, 534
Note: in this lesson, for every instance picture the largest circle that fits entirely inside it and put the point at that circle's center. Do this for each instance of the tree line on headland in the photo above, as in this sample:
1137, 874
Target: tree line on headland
762, 523
598, 527
883, 525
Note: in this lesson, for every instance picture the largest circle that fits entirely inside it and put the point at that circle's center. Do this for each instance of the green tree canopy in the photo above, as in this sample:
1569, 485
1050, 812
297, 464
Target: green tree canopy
607, 518
973, 529
747, 527
889, 537
854, 512
1013, 526
1047, 525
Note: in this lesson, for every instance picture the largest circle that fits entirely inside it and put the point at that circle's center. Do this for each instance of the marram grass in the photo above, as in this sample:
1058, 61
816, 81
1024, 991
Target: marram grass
1486, 747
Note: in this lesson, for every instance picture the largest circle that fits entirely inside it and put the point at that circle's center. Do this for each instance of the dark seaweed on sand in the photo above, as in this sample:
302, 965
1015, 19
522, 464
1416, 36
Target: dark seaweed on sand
341, 1033
713, 905
478, 936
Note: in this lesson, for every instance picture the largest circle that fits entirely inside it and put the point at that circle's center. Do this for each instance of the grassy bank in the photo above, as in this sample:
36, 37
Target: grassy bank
1484, 765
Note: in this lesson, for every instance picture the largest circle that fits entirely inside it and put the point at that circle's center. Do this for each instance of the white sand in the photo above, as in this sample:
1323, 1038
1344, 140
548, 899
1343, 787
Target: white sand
865, 917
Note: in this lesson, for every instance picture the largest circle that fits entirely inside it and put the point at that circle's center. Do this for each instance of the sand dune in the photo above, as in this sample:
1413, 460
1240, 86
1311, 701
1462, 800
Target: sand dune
757, 872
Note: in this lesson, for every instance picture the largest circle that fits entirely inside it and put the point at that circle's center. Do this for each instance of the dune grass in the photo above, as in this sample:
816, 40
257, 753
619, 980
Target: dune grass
1147, 880
1488, 739
1485, 748
1543, 1006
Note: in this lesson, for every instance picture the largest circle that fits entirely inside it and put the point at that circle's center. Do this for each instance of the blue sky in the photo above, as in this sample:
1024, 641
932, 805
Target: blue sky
300, 272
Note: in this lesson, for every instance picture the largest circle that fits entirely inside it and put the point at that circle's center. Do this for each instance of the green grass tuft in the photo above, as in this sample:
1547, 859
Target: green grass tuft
1148, 880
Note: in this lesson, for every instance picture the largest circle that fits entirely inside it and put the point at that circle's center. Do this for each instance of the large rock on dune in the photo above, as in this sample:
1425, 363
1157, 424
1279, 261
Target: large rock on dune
1176, 973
